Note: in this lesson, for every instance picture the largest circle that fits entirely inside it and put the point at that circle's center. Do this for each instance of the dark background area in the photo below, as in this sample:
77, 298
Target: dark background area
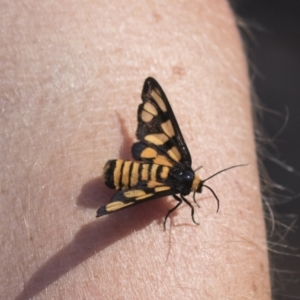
272, 42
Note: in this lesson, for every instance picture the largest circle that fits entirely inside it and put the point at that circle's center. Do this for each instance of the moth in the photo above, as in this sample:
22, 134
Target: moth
162, 165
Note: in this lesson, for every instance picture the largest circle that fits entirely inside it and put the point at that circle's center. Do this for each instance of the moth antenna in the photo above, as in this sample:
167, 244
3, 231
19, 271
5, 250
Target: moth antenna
218, 201
243, 165
212, 191
198, 168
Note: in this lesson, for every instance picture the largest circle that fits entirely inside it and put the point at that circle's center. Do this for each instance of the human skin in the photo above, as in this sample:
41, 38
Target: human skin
71, 77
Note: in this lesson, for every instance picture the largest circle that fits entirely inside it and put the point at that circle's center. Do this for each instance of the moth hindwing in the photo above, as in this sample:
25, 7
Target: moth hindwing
163, 162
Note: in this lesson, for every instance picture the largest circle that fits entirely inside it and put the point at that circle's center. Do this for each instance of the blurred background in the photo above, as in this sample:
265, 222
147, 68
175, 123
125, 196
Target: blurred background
271, 30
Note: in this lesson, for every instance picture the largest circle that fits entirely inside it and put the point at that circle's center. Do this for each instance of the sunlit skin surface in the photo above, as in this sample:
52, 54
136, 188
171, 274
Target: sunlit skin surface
71, 81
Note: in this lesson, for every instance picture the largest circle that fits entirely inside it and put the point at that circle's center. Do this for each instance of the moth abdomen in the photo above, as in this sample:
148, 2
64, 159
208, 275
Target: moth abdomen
108, 173
121, 174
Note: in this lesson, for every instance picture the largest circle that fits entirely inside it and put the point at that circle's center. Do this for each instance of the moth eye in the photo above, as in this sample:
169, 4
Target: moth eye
183, 175
188, 176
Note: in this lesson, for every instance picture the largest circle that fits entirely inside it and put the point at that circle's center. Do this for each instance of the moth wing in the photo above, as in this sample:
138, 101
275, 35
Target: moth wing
158, 129
145, 191
151, 153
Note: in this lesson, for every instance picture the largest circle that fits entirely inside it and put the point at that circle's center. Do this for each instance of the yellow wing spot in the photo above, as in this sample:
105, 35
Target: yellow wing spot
153, 172
117, 173
134, 175
125, 173
156, 95
152, 184
174, 153
113, 206
144, 197
164, 173
168, 128
158, 92
157, 138
160, 160
145, 171
150, 108
146, 117
148, 153
134, 193
161, 188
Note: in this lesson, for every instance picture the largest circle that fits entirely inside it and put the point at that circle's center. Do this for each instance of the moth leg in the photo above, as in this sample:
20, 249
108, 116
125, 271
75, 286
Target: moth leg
171, 210
195, 200
191, 206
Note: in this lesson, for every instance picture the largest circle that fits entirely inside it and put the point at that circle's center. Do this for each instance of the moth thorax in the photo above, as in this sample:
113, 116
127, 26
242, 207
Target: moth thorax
197, 184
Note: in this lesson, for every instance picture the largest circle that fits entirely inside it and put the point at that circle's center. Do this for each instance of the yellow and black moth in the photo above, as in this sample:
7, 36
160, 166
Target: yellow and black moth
163, 161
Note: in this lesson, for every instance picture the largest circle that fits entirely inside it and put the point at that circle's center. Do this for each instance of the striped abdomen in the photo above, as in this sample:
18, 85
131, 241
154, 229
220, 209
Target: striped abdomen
120, 174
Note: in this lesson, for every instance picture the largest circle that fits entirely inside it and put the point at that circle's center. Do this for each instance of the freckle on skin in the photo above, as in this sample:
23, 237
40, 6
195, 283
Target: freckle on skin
179, 71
